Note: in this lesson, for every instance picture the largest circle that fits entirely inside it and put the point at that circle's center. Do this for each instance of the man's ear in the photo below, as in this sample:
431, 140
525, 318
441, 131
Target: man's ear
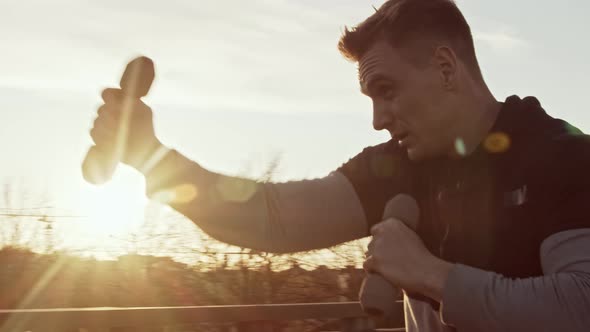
445, 61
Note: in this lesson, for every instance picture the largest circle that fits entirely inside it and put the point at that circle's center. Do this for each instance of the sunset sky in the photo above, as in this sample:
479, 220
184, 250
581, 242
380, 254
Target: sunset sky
240, 83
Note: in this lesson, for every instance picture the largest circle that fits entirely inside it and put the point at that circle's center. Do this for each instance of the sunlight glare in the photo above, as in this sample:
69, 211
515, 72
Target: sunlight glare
116, 207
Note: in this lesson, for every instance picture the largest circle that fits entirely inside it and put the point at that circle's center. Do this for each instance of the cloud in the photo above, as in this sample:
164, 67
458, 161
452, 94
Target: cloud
274, 53
500, 41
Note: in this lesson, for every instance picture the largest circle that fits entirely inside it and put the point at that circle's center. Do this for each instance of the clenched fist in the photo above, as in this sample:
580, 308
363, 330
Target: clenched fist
399, 255
124, 127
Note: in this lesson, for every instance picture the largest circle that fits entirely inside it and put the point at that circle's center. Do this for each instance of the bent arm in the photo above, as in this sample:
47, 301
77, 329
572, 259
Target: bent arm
477, 300
274, 217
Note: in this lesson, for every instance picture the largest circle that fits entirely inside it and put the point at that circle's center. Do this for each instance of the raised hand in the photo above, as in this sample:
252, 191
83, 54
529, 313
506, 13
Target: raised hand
123, 129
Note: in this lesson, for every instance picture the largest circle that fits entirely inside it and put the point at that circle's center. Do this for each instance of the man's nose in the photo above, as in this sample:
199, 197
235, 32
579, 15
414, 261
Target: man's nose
382, 116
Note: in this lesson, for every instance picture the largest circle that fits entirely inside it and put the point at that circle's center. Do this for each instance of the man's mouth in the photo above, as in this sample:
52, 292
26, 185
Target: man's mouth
400, 136
402, 139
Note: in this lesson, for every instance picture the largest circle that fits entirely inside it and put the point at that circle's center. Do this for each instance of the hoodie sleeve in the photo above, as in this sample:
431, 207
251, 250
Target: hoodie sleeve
274, 217
477, 300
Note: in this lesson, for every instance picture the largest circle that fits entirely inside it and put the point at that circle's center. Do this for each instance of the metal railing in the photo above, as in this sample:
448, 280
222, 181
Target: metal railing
349, 314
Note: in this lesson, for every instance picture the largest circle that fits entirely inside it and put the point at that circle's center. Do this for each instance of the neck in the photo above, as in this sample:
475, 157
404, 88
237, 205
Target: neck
480, 112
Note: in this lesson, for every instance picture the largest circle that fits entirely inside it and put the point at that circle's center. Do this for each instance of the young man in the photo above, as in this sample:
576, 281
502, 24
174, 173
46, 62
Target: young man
503, 240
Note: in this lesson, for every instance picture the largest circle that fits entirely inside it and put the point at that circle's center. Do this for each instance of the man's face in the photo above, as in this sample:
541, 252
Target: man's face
409, 102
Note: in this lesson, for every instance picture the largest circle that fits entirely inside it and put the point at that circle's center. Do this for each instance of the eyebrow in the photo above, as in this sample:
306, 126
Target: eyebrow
368, 86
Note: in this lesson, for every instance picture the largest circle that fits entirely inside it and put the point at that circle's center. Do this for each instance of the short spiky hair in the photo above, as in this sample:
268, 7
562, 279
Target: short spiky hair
416, 27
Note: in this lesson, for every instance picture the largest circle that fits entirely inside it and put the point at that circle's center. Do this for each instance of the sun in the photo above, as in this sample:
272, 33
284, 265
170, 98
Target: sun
116, 207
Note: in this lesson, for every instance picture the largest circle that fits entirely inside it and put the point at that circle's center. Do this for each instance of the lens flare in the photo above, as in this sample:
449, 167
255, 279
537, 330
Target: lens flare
460, 147
236, 189
497, 142
180, 194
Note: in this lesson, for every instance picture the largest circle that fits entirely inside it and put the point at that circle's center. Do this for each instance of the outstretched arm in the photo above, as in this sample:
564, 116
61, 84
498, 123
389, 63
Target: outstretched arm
274, 217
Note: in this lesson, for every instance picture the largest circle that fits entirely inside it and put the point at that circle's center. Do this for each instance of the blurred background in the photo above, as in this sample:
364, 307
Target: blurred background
254, 88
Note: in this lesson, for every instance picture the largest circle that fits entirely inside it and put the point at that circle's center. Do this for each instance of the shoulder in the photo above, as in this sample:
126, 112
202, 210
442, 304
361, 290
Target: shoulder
558, 179
548, 159
378, 161
561, 157
377, 174
540, 145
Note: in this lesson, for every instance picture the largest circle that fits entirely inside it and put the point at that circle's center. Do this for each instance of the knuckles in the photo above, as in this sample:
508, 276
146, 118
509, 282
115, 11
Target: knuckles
387, 226
112, 111
111, 94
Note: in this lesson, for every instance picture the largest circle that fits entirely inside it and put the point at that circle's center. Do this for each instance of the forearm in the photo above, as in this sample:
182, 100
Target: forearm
283, 217
477, 300
214, 202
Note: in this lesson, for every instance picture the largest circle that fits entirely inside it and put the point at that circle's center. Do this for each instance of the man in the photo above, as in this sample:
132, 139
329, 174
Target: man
503, 241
